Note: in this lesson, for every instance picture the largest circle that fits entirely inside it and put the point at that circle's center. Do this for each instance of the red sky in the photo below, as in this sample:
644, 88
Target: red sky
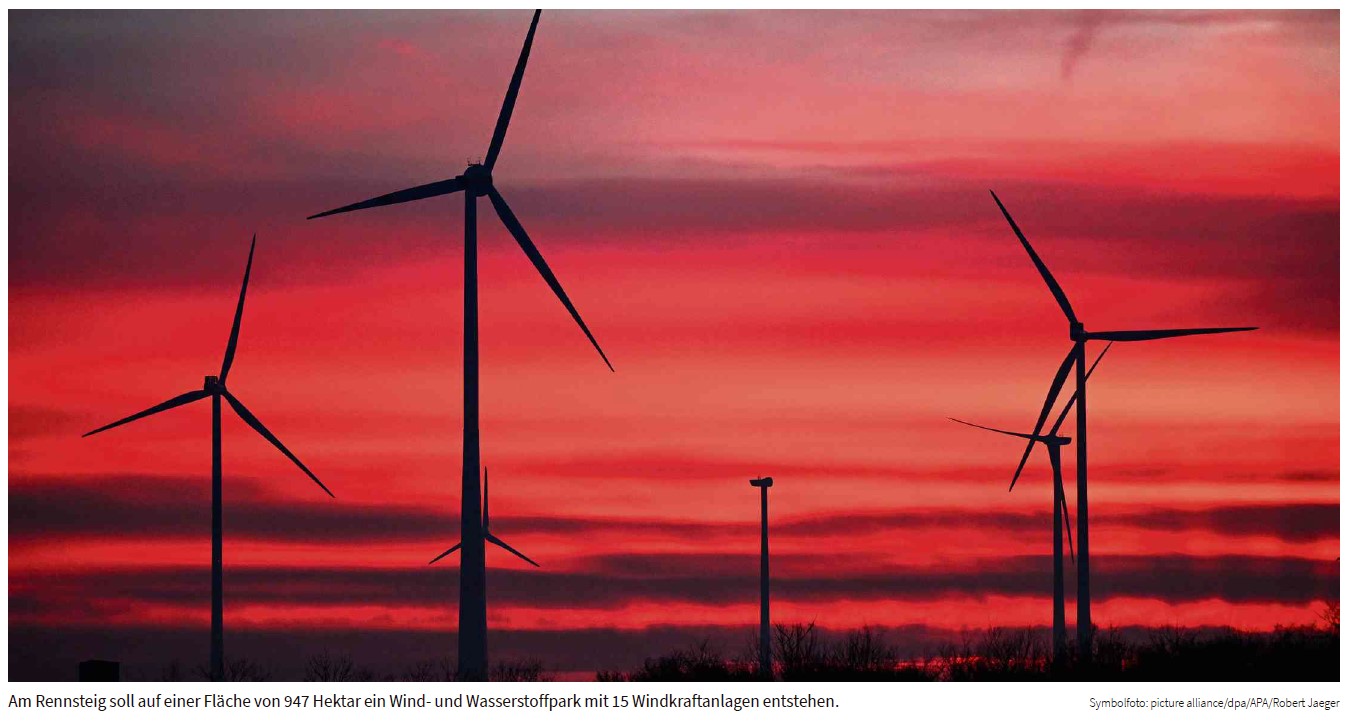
777, 226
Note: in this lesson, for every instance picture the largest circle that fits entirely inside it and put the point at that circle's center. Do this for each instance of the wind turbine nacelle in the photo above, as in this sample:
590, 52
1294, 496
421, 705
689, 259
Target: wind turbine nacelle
477, 179
761, 482
211, 384
1076, 331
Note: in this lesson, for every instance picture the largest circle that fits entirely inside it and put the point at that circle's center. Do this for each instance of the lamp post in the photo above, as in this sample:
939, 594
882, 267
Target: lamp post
765, 644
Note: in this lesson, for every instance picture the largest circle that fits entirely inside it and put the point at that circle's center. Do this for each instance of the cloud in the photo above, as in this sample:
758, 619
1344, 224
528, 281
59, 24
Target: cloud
1086, 25
610, 582
1288, 522
26, 422
1089, 22
1311, 475
148, 507
1278, 256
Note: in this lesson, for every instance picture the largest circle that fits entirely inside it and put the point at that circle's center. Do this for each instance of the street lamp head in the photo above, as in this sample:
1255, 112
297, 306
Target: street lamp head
761, 482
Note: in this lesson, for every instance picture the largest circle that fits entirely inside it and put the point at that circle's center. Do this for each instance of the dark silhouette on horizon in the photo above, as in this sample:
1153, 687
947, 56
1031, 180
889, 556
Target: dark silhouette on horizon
100, 671
765, 641
1295, 653
475, 181
1053, 446
214, 387
486, 532
1077, 357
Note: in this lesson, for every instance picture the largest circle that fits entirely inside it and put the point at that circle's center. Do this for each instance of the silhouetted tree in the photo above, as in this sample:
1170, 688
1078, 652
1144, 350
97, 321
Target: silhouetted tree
517, 671
328, 668
1110, 654
698, 662
866, 649
237, 670
429, 670
172, 673
1330, 617
997, 654
797, 651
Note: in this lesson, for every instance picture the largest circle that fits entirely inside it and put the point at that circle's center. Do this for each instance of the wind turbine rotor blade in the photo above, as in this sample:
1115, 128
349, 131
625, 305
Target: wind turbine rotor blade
1100, 356
253, 422
1073, 399
513, 225
457, 545
991, 429
416, 193
1054, 287
238, 315
1059, 378
1067, 524
508, 105
177, 401
497, 541
1150, 334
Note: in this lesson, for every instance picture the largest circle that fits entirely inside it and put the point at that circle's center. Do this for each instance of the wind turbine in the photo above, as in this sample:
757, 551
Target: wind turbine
1053, 445
214, 388
475, 181
486, 532
1077, 356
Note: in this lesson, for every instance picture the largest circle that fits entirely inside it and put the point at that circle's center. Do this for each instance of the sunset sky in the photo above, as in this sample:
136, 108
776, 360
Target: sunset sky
778, 226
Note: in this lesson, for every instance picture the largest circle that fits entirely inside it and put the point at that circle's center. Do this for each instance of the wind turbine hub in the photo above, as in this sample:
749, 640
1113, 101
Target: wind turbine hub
477, 179
1076, 331
212, 384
